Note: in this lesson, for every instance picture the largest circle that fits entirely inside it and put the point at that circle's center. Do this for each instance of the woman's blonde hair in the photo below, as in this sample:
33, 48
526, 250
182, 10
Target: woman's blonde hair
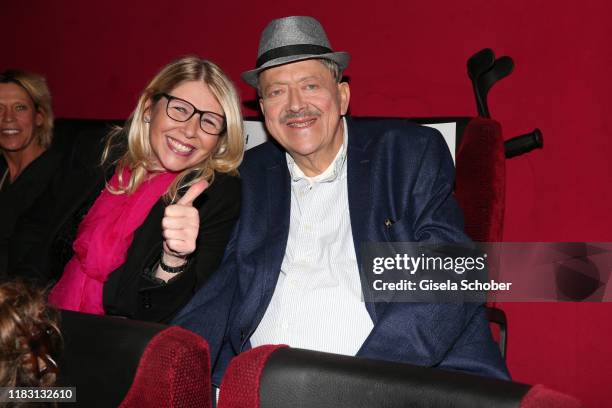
226, 156
36, 87
30, 339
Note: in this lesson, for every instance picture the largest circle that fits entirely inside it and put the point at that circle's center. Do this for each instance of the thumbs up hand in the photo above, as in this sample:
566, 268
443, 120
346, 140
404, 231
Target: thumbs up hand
180, 226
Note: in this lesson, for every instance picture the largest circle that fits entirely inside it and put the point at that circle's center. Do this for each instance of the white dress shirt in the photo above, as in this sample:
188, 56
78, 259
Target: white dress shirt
317, 303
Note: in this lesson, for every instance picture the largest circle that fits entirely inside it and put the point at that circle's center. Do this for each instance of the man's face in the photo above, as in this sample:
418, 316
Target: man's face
303, 105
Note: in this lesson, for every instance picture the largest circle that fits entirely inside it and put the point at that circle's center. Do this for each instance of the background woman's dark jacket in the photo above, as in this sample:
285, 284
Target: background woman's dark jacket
16, 201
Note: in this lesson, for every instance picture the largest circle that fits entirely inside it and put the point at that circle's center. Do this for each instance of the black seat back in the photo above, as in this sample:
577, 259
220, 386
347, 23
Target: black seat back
100, 356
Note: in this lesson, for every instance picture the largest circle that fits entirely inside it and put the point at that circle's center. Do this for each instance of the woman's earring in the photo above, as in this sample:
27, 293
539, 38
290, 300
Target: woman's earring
147, 119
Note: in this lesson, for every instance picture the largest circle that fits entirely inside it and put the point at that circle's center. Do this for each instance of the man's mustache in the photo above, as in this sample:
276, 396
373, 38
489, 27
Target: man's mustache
299, 115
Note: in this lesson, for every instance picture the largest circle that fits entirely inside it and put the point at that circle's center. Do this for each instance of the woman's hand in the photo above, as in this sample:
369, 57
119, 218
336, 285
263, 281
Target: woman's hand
180, 227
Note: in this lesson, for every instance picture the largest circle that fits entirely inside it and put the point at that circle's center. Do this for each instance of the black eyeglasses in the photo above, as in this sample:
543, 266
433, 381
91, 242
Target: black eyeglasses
180, 110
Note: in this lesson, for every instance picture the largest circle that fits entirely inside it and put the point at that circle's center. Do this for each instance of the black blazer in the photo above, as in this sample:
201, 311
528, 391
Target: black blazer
129, 291
17, 200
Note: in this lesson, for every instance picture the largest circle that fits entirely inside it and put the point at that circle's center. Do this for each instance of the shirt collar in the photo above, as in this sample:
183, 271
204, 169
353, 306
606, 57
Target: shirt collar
333, 171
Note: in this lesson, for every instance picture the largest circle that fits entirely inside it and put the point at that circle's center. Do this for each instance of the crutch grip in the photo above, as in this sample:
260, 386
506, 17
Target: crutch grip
524, 143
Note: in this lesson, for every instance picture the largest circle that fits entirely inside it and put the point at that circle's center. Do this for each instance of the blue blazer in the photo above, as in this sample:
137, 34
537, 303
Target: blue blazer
398, 171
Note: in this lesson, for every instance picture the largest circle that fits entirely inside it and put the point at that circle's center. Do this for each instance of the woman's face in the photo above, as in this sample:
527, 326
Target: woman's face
181, 145
18, 118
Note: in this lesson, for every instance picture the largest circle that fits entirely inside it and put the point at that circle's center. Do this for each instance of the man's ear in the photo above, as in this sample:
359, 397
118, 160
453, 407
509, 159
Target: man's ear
261, 107
344, 92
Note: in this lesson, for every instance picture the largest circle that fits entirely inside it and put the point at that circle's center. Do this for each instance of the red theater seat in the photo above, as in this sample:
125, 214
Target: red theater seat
480, 189
278, 376
480, 180
173, 371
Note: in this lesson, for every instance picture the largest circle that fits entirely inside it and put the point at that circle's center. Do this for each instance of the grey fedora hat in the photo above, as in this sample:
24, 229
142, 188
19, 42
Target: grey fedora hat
291, 39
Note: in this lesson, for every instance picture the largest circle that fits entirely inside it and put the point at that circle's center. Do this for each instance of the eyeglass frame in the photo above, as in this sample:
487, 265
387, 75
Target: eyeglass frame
195, 110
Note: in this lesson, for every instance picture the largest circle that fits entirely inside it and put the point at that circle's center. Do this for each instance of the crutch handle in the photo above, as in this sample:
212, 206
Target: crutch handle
524, 143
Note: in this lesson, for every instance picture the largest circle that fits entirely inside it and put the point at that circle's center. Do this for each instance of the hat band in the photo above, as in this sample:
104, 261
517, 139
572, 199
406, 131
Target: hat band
288, 50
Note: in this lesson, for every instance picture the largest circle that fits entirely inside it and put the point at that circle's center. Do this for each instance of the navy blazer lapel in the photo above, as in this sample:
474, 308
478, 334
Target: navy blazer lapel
359, 192
358, 175
278, 208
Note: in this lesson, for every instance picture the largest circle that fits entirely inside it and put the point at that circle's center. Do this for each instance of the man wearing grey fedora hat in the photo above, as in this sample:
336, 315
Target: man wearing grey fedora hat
325, 186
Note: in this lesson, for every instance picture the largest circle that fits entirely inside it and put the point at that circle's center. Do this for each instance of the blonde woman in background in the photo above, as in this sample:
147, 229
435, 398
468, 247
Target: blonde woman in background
26, 163
158, 230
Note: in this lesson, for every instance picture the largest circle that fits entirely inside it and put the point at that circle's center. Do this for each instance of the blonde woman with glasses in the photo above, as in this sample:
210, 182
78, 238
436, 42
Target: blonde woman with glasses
158, 230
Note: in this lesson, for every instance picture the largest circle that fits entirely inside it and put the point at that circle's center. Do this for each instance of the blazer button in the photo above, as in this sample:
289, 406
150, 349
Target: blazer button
146, 301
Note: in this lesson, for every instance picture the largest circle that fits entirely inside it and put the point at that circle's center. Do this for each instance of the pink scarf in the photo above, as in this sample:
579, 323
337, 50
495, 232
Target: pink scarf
102, 242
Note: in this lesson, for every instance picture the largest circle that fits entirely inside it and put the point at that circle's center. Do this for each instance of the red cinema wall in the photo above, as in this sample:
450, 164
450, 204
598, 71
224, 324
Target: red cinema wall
408, 60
